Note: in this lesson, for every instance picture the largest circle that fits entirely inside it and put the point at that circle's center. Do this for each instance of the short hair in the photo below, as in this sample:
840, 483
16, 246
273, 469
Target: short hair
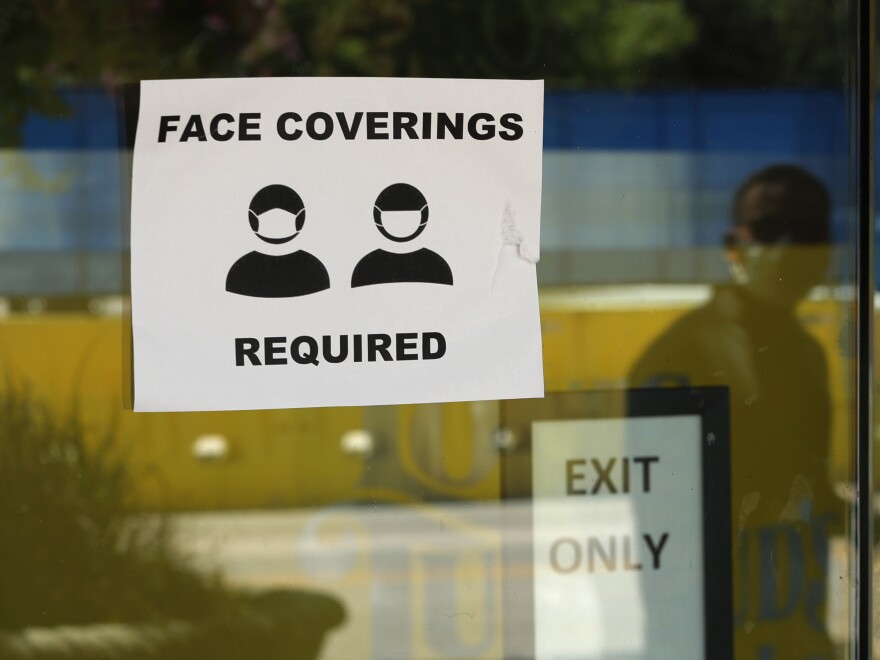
401, 197
276, 196
807, 212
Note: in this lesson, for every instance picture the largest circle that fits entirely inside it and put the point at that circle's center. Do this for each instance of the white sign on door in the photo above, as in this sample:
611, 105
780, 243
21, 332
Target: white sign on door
618, 538
303, 242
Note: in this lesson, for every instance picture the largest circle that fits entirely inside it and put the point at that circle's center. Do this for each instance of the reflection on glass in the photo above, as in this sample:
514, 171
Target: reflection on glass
748, 337
383, 519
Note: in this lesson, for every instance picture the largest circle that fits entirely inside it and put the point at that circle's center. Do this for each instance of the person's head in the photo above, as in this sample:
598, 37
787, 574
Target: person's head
400, 212
778, 244
277, 214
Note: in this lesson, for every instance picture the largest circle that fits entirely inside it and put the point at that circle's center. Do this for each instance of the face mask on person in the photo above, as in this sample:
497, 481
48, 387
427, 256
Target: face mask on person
780, 274
402, 225
277, 225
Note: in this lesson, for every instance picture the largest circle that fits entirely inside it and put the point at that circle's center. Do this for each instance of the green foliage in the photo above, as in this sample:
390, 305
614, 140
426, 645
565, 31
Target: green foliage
757, 43
566, 42
69, 551
569, 43
24, 55
646, 34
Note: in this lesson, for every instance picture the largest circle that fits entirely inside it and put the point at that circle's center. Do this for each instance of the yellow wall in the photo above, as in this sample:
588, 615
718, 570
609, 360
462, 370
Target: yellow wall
293, 457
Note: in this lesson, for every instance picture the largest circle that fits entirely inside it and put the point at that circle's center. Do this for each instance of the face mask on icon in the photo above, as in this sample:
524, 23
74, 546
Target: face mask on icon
401, 224
780, 274
278, 225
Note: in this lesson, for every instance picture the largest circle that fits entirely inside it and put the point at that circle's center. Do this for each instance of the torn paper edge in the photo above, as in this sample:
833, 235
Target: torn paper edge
511, 235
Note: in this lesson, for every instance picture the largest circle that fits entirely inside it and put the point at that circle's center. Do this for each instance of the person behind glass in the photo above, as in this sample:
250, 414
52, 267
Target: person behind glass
277, 215
748, 338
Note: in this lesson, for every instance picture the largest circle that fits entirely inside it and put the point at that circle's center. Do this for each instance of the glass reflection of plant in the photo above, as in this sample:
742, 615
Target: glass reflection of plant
53, 43
45, 44
70, 551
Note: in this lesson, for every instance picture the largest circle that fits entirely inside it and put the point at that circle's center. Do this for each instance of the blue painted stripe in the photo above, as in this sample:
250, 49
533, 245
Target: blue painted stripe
780, 121
795, 122
91, 124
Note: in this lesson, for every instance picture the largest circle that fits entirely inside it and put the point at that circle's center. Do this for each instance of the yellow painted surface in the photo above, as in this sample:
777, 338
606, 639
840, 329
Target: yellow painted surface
284, 458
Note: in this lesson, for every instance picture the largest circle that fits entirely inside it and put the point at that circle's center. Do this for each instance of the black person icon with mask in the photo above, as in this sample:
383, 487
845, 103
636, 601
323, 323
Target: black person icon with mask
401, 214
277, 215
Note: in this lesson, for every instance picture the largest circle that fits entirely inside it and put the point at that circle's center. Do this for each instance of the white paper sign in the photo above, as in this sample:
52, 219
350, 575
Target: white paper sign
618, 538
303, 242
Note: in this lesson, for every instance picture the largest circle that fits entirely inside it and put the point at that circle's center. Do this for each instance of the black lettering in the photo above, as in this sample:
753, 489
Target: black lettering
405, 121
510, 121
349, 132
455, 128
426, 125
575, 551
328, 349
246, 347
378, 344
194, 128
358, 349
488, 128
407, 341
570, 476
165, 125
377, 121
656, 549
309, 356
603, 476
215, 127
249, 126
646, 470
427, 353
282, 126
272, 348
625, 462
312, 130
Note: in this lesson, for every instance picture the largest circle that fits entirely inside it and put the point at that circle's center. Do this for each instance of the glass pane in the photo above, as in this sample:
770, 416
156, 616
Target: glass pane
698, 229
